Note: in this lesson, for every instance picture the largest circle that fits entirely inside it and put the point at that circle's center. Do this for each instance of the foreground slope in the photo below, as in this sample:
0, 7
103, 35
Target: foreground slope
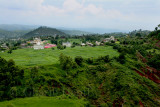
42, 102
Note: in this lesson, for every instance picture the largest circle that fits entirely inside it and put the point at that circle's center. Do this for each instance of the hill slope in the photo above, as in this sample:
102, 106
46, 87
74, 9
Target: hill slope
43, 31
12, 34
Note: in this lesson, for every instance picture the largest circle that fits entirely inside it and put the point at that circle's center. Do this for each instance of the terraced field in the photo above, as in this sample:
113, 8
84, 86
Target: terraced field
31, 57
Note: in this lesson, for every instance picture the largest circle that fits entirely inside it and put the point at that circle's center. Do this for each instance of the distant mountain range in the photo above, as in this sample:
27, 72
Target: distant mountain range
75, 32
16, 27
12, 34
101, 30
15, 30
11, 31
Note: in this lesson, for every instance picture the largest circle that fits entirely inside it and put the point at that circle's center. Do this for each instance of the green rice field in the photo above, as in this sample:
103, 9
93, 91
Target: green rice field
42, 102
31, 57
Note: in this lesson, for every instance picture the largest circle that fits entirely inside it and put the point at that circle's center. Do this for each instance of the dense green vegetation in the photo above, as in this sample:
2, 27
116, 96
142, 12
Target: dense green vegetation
125, 72
139, 33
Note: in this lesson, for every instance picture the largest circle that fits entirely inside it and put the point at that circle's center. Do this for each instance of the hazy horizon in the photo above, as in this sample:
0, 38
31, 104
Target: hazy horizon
101, 14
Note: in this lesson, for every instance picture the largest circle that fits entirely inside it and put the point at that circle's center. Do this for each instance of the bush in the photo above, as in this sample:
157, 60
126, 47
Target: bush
112, 41
89, 60
121, 58
101, 68
73, 46
61, 47
79, 60
66, 62
10, 51
154, 62
104, 59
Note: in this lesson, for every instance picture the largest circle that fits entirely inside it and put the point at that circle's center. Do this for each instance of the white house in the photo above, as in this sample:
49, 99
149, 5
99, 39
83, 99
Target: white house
67, 44
88, 43
38, 46
4, 46
112, 38
83, 44
98, 43
109, 39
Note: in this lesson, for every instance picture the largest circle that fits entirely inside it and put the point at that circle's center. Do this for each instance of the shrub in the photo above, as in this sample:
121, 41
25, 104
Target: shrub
104, 59
66, 62
10, 51
72, 46
61, 47
101, 68
89, 60
112, 41
79, 60
121, 58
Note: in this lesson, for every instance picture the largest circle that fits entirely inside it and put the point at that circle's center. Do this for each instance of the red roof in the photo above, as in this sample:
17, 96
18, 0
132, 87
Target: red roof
49, 45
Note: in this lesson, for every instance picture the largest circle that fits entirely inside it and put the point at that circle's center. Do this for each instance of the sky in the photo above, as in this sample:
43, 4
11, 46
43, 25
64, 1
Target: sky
106, 14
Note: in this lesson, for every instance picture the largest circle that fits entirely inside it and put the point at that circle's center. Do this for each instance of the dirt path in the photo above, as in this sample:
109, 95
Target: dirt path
147, 71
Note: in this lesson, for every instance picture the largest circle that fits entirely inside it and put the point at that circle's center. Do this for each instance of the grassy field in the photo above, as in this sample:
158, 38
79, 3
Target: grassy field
42, 102
31, 57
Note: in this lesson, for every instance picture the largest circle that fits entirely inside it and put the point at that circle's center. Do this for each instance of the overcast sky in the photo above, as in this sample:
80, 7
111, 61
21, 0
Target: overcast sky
108, 14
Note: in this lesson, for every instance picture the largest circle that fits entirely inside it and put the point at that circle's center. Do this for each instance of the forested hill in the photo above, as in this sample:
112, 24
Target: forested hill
44, 31
140, 33
12, 34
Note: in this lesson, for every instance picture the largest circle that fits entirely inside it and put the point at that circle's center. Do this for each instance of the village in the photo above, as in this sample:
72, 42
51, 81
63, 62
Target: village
38, 44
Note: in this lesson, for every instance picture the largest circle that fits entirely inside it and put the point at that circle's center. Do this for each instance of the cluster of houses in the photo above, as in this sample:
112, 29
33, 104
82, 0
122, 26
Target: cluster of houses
4, 46
99, 43
37, 43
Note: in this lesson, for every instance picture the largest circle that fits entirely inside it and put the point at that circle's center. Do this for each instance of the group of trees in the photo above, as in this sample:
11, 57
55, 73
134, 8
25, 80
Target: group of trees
11, 78
139, 33
67, 63
14, 84
61, 47
155, 34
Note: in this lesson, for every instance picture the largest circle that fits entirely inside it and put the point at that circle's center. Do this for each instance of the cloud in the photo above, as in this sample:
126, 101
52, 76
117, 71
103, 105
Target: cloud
101, 13
72, 5
68, 6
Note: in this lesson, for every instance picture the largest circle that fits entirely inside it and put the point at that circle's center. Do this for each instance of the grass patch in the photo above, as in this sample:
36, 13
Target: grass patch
42, 102
31, 57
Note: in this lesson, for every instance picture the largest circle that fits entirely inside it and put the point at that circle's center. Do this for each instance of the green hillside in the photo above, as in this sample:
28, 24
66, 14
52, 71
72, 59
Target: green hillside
119, 73
43, 102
